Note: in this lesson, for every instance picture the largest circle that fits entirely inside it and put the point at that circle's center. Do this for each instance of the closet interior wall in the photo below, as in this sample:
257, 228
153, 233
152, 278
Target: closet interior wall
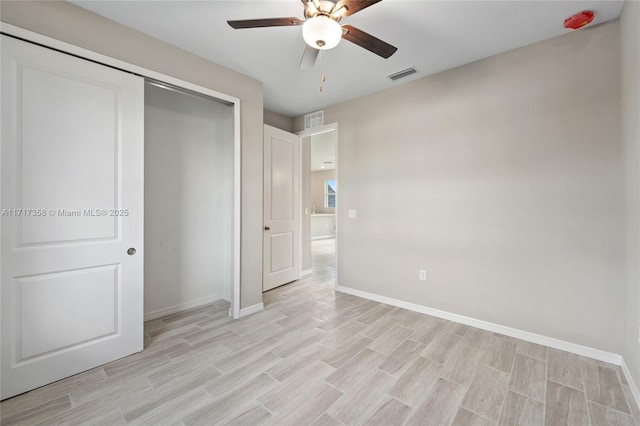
189, 159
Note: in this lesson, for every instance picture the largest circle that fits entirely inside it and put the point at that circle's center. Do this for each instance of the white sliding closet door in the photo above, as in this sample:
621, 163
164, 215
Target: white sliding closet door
71, 163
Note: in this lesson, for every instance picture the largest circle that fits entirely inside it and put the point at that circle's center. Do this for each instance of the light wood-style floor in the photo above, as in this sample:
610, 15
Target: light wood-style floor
324, 358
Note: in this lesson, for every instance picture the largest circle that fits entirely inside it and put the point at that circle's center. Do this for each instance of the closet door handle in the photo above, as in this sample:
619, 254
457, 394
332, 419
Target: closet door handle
266, 228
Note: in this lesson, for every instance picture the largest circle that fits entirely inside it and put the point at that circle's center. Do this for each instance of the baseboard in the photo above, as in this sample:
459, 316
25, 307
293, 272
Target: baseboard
632, 384
306, 272
159, 313
251, 309
496, 328
323, 237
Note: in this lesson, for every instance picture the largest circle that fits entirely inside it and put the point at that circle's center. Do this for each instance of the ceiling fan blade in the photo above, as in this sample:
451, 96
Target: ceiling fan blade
309, 57
367, 41
354, 6
269, 22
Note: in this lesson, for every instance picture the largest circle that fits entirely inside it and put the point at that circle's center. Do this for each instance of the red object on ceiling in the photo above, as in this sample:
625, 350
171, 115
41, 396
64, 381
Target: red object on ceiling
579, 20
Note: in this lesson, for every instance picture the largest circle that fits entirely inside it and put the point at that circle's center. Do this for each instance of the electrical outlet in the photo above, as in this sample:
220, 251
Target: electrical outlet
423, 275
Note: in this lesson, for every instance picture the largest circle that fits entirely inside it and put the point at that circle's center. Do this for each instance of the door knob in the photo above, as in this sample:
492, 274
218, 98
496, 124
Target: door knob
266, 228
131, 251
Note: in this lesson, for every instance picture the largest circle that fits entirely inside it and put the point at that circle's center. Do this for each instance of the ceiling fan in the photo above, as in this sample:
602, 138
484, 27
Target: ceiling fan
321, 29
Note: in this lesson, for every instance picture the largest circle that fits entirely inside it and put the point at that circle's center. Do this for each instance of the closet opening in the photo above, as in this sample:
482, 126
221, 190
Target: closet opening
189, 182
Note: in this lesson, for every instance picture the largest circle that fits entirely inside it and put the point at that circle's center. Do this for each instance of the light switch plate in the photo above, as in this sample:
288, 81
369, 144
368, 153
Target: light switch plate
352, 214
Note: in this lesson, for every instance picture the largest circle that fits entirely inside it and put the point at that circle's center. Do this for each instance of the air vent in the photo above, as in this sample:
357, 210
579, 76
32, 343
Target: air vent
402, 74
314, 119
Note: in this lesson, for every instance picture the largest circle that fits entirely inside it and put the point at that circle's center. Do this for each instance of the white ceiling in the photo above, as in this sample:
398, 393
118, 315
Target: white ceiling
430, 35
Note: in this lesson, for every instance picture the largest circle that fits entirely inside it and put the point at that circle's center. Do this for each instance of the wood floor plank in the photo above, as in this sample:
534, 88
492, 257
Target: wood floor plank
461, 366
565, 406
440, 406
529, 377
456, 328
374, 314
233, 403
111, 392
477, 338
173, 411
601, 385
245, 356
601, 415
442, 347
465, 417
379, 327
532, 349
309, 409
354, 369
500, 353
139, 364
296, 387
427, 333
411, 320
86, 414
486, 393
255, 416
390, 340
233, 379
391, 412
635, 410
404, 354
520, 410
360, 404
564, 368
416, 382
287, 367
326, 420
39, 413
150, 399
340, 355
30, 400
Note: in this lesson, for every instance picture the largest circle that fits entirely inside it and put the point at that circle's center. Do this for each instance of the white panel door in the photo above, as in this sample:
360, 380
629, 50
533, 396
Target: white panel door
281, 208
71, 195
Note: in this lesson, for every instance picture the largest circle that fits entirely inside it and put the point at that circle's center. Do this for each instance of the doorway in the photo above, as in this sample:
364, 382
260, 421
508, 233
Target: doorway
320, 202
188, 199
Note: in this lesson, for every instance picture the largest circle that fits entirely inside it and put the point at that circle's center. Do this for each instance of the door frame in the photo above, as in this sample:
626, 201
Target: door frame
311, 132
45, 41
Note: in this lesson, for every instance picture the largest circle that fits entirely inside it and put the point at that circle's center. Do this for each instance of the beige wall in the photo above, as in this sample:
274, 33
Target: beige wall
630, 84
72, 24
318, 179
280, 121
501, 178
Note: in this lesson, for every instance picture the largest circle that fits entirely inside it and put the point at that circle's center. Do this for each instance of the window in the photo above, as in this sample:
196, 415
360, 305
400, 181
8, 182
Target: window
330, 193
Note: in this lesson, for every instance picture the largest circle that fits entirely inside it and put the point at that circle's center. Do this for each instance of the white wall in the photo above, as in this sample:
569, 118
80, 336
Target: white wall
630, 85
323, 226
72, 24
188, 199
503, 179
318, 180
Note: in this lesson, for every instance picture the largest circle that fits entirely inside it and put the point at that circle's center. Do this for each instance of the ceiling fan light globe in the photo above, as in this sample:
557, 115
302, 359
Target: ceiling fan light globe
321, 32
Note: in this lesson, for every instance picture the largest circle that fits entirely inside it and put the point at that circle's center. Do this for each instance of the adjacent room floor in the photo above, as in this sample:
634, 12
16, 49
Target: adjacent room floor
318, 357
